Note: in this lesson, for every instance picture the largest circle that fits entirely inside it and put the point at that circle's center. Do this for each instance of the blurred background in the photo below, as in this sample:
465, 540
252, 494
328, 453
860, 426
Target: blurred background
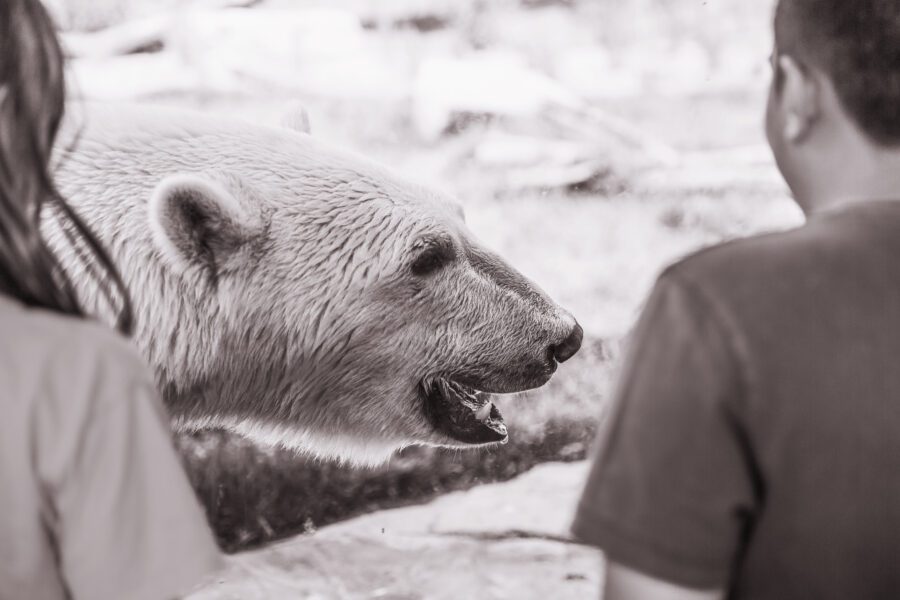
590, 141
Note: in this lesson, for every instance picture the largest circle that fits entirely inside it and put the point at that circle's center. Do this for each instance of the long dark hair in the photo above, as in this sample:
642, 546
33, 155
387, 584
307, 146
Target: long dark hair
32, 100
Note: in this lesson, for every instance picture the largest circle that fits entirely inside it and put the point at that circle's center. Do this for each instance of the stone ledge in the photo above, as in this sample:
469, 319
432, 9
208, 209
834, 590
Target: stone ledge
497, 541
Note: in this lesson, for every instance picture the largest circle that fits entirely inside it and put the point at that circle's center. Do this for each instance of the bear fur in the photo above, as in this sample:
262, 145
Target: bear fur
292, 292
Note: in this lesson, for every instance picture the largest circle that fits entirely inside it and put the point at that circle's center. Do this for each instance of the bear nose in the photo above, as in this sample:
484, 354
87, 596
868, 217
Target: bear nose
569, 346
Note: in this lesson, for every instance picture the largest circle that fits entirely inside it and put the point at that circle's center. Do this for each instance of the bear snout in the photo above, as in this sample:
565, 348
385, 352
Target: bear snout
567, 348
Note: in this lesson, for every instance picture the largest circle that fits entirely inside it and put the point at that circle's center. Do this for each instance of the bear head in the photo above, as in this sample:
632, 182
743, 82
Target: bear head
299, 294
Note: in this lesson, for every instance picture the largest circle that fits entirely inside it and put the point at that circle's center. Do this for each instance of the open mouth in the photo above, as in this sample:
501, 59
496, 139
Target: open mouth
462, 413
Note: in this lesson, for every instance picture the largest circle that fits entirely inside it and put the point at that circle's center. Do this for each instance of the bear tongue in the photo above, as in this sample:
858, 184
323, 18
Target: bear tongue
464, 416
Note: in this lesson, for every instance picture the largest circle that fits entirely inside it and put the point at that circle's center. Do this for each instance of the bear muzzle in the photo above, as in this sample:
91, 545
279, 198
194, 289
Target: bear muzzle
462, 413
455, 408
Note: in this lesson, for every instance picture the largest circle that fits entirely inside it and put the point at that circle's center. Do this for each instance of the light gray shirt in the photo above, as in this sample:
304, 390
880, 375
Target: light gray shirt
94, 502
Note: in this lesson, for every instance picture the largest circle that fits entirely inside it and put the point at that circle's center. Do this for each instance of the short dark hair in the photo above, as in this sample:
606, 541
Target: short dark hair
857, 44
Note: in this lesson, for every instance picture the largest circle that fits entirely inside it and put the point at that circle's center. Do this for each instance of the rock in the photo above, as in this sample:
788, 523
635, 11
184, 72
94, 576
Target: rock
90, 15
126, 38
590, 72
136, 76
688, 69
492, 82
542, 501
498, 541
407, 568
385, 14
499, 149
536, 162
324, 52
538, 34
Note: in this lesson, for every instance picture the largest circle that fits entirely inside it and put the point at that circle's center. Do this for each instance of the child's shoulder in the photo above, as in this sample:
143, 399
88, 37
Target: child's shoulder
769, 275
827, 243
36, 339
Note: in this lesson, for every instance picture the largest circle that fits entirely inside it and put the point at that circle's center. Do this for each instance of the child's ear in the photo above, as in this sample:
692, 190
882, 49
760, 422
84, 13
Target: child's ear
799, 99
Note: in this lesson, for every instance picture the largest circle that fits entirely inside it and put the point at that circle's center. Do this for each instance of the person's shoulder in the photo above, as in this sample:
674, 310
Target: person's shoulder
37, 338
759, 261
852, 238
765, 276
720, 260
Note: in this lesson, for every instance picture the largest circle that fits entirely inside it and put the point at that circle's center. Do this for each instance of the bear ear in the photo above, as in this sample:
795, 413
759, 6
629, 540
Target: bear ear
296, 119
196, 221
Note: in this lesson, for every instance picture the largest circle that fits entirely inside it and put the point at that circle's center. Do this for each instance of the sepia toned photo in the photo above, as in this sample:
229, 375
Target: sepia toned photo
449, 299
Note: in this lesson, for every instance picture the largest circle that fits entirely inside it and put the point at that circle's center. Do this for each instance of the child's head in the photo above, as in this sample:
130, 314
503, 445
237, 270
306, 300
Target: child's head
836, 88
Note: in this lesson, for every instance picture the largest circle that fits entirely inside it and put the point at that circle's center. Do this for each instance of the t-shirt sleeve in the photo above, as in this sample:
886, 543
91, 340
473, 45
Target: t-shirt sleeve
125, 518
671, 491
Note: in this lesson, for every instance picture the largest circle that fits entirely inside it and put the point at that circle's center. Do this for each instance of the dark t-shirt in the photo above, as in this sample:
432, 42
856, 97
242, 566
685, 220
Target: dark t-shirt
754, 443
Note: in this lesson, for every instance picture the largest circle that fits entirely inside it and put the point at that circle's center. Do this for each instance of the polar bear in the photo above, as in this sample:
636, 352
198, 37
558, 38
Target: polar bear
299, 294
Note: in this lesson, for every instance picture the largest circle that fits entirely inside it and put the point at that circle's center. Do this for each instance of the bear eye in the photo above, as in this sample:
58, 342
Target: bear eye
431, 260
